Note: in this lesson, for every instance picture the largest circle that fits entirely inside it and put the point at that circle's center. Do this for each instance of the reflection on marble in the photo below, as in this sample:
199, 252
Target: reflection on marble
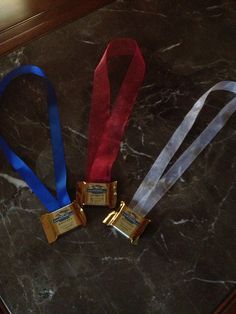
185, 262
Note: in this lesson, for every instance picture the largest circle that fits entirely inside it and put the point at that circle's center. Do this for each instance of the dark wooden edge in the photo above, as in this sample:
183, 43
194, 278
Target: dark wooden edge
3, 308
45, 21
227, 305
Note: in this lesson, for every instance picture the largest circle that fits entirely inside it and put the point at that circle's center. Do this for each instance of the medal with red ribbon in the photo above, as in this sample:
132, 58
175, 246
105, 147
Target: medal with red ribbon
107, 123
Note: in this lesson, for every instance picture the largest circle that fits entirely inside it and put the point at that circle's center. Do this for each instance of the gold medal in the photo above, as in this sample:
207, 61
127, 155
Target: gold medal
127, 222
97, 194
62, 220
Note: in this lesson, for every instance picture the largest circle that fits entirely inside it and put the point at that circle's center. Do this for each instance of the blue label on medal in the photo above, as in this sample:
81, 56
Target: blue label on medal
62, 216
97, 189
131, 217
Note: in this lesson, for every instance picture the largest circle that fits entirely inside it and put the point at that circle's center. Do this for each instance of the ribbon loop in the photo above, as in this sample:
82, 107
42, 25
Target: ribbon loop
50, 202
106, 125
155, 184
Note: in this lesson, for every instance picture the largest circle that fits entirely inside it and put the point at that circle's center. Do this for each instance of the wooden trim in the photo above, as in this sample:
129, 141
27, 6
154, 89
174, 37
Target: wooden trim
21, 27
228, 306
3, 308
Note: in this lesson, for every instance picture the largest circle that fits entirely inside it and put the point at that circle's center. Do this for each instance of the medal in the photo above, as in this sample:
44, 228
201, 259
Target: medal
131, 220
107, 123
63, 215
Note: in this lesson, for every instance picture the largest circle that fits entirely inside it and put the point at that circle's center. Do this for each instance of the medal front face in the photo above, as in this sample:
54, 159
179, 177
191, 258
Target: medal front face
62, 221
127, 222
97, 194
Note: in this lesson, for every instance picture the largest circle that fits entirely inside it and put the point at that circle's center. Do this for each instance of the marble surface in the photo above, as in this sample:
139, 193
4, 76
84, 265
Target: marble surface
185, 261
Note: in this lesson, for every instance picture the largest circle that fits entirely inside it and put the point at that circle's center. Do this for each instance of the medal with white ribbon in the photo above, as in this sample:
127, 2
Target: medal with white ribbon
131, 220
63, 215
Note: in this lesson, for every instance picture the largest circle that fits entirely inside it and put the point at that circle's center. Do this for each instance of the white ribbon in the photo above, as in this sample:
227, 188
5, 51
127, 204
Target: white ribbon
155, 184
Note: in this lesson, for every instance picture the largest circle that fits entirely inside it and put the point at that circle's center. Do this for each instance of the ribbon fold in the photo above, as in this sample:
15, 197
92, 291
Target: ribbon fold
155, 185
107, 123
48, 200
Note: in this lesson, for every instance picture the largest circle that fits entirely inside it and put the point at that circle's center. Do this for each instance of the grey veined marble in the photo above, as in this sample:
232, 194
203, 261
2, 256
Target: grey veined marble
185, 262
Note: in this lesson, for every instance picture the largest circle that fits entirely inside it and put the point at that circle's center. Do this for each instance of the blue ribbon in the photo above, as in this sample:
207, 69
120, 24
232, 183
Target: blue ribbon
49, 201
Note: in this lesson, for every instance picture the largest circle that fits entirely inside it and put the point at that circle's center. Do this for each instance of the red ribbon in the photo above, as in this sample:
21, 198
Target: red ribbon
107, 122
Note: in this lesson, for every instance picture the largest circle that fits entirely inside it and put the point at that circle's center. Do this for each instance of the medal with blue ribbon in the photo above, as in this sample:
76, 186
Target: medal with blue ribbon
63, 215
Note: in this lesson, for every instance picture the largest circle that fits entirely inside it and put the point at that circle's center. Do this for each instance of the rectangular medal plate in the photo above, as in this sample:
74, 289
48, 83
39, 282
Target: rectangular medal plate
62, 220
127, 222
97, 194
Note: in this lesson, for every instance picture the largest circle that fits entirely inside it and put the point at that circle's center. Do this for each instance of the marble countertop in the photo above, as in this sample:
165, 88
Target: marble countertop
185, 261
